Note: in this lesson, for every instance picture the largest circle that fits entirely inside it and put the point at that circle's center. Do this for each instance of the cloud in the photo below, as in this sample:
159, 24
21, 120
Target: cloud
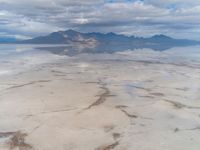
178, 3
178, 18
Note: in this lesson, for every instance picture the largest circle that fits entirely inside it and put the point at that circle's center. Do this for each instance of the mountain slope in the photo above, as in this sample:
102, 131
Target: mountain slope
61, 37
7, 40
110, 40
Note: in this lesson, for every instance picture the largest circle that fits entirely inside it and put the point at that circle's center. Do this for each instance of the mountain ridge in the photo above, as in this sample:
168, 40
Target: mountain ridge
109, 41
68, 36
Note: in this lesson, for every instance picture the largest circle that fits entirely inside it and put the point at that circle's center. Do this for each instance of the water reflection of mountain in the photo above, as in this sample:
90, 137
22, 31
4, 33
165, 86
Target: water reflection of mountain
75, 49
107, 43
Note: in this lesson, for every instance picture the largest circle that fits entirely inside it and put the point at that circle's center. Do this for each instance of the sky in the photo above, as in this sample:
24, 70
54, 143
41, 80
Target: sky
24, 19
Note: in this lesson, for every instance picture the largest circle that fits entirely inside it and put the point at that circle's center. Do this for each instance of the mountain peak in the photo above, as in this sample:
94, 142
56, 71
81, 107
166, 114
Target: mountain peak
70, 31
111, 34
159, 41
161, 36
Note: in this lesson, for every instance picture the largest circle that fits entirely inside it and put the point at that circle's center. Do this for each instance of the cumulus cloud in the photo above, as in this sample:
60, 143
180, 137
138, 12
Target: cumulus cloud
178, 18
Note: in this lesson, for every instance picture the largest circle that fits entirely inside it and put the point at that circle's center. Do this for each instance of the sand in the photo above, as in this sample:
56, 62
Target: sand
122, 101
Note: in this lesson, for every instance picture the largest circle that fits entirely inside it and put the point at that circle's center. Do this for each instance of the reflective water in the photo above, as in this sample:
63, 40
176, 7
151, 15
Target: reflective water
14, 58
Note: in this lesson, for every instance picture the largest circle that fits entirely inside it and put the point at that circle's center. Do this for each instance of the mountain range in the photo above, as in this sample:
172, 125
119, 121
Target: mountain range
109, 42
7, 40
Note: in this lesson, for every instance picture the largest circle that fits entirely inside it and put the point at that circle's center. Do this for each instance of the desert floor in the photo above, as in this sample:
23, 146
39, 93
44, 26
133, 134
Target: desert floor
123, 101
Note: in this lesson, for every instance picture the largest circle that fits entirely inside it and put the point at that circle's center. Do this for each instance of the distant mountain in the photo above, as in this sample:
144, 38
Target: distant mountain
7, 40
61, 37
109, 41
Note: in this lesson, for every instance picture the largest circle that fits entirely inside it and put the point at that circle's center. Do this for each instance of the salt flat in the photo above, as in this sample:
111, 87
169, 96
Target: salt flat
132, 100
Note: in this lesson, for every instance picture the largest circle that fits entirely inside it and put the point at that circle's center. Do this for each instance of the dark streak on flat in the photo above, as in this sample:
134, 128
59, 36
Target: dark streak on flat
49, 112
116, 136
191, 129
128, 114
121, 106
16, 140
157, 94
102, 97
131, 115
26, 84
182, 89
179, 105
6, 134
147, 96
59, 72
141, 88
108, 147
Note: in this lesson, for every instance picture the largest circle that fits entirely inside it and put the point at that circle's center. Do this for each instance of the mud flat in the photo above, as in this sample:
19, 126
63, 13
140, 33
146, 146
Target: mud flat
123, 101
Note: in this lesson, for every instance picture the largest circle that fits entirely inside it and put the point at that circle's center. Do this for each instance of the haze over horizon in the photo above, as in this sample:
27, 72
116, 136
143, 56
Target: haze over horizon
26, 19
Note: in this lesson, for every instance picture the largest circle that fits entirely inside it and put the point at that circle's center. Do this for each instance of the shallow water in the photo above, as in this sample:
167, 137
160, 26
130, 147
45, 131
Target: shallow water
141, 99
17, 58
20, 51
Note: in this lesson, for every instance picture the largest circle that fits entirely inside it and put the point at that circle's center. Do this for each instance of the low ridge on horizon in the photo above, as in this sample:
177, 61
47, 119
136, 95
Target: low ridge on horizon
73, 35
73, 32
109, 42
106, 33
13, 39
